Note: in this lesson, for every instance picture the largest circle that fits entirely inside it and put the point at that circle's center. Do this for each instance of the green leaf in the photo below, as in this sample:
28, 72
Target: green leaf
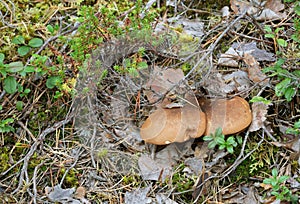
133, 72
283, 179
280, 87
269, 35
207, 138
289, 93
211, 145
18, 40
14, 67
268, 29
19, 105
3, 72
142, 65
230, 140
282, 42
29, 69
274, 172
260, 99
239, 139
6, 129
230, 149
274, 183
297, 10
103, 74
222, 146
10, 84
297, 124
220, 140
267, 181
279, 29
297, 73
2, 56
275, 193
7, 121
50, 29
23, 50
53, 81
127, 62
26, 91
35, 42
296, 37
218, 131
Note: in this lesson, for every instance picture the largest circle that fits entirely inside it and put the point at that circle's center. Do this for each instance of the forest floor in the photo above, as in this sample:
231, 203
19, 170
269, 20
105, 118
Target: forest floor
101, 101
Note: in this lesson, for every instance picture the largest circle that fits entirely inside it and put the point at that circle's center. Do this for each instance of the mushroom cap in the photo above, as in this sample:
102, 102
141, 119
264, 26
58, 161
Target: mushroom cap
232, 115
165, 126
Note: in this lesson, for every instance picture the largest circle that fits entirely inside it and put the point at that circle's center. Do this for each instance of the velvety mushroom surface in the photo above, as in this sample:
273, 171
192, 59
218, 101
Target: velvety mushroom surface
232, 115
168, 125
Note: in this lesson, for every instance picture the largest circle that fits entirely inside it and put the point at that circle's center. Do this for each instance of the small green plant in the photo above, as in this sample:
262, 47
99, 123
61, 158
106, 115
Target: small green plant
219, 139
289, 80
25, 48
279, 190
275, 36
295, 130
5, 127
131, 66
180, 180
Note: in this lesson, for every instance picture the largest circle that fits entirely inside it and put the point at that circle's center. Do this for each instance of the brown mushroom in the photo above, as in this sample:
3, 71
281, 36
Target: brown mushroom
179, 124
232, 115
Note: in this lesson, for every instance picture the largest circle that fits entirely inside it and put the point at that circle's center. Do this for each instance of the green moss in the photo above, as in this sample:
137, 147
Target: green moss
71, 179
4, 159
134, 180
183, 182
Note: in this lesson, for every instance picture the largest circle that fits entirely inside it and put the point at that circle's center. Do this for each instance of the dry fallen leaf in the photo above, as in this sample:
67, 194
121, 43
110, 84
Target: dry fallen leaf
237, 50
239, 6
254, 70
251, 48
266, 186
195, 165
293, 144
238, 81
259, 112
161, 81
229, 58
251, 197
160, 168
58, 194
138, 196
269, 12
80, 192
215, 85
274, 5
162, 199
153, 170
